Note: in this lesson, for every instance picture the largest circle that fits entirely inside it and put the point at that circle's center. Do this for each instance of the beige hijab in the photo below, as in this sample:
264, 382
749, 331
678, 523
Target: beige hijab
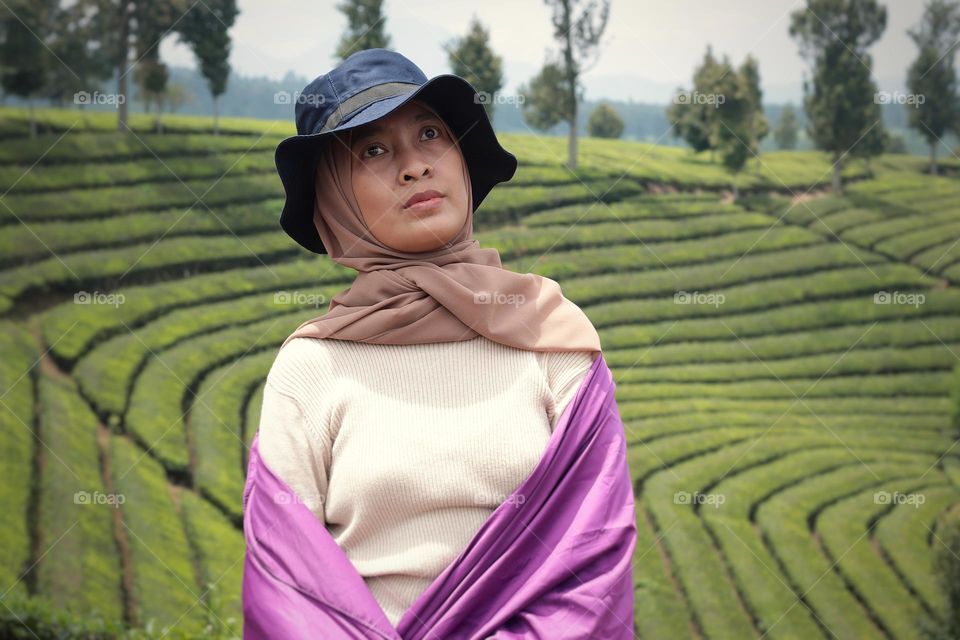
452, 293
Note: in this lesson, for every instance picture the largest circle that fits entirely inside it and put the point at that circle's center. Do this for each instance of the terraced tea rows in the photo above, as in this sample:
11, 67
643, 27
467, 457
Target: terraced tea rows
783, 368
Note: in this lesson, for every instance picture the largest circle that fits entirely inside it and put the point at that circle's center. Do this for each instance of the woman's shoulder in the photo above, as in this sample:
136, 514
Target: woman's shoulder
567, 358
299, 362
562, 367
564, 373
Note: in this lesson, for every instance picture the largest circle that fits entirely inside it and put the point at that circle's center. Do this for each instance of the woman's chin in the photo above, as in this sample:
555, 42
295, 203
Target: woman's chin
429, 233
437, 240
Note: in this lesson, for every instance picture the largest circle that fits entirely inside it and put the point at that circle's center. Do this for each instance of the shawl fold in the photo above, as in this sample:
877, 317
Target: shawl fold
554, 560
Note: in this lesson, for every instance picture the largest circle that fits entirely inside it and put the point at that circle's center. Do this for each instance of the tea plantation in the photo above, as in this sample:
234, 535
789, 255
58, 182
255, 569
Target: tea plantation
784, 369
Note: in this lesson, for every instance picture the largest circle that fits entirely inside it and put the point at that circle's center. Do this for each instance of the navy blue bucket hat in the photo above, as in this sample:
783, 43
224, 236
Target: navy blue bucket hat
367, 86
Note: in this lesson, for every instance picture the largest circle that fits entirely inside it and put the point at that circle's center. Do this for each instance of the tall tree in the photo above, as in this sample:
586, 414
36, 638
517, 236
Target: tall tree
834, 36
137, 27
206, 30
578, 37
113, 24
689, 122
154, 20
786, 132
80, 63
758, 125
933, 75
365, 27
545, 97
874, 141
25, 59
118, 31
734, 123
472, 58
692, 112
152, 76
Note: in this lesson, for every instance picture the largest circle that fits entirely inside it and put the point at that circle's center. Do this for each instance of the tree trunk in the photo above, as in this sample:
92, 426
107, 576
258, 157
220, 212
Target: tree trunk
216, 115
158, 122
33, 118
736, 191
571, 77
122, 56
837, 182
933, 158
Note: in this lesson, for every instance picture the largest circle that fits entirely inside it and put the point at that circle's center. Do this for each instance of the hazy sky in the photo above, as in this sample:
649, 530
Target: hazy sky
648, 49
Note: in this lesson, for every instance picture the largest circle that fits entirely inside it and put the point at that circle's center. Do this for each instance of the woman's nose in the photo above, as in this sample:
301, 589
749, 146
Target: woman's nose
414, 166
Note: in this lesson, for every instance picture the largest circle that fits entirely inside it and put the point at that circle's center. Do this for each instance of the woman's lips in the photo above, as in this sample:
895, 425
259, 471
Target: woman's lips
425, 205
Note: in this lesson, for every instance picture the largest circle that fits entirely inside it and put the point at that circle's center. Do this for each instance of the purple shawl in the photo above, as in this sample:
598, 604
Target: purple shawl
552, 561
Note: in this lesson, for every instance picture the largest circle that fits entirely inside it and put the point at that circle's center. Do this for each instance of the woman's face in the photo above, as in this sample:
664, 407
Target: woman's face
396, 157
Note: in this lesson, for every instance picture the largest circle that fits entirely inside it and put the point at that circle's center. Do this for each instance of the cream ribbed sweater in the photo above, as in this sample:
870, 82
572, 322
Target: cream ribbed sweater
403, 451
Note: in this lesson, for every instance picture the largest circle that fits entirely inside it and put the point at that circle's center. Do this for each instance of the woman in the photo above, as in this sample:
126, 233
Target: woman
419, 405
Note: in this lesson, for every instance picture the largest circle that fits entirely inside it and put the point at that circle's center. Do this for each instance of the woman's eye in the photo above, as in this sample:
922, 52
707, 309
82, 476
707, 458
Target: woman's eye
367, 154
376, 146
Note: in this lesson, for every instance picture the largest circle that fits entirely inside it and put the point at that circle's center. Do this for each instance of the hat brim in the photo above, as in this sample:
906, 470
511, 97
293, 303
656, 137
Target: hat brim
451, 96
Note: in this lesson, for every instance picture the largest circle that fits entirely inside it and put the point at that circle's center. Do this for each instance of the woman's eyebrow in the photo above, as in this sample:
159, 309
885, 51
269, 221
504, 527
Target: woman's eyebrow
376, 129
